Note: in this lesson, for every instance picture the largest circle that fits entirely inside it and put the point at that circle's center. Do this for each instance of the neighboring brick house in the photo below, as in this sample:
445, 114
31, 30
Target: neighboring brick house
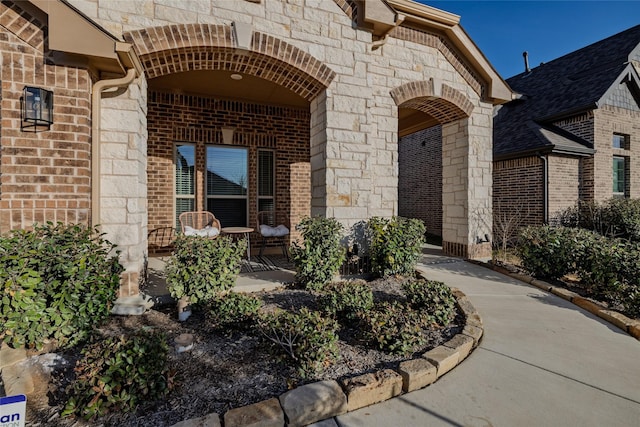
573, 133
236, 106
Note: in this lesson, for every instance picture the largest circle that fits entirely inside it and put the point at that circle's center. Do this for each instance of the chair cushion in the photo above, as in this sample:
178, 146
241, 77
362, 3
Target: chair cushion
208, 231
268, 231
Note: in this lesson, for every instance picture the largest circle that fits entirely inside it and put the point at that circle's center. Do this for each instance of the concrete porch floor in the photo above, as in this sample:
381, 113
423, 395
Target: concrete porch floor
254, 281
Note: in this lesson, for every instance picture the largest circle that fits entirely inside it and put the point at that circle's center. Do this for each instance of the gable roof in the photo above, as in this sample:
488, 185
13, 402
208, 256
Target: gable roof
566, 86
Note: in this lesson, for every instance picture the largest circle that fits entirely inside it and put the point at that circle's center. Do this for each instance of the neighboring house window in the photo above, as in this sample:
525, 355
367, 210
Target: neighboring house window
226, 184
620, 172
266, 180
185, 179
621, 141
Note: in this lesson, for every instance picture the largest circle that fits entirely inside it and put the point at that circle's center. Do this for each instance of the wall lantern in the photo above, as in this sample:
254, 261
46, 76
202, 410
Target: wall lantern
36, 109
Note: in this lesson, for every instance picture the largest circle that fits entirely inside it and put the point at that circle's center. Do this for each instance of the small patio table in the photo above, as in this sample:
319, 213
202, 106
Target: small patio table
240, 230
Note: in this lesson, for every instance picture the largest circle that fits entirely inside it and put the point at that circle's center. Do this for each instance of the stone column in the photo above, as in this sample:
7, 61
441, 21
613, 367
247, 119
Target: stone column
466, 185
124, 179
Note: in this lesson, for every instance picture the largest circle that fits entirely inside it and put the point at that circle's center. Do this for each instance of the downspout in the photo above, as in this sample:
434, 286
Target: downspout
545, 197
96, 96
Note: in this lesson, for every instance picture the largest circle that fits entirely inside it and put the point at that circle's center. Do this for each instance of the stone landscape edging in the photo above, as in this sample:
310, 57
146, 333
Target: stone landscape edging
323, 400
630, 326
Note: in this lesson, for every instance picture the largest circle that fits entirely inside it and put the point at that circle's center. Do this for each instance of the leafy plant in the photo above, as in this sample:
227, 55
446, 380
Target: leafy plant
201, 268
435, 298
56, 282
115, 373
395, 245
321, 255
612, 218
394, 327
233, 309
346, 299
305, 338
544, 251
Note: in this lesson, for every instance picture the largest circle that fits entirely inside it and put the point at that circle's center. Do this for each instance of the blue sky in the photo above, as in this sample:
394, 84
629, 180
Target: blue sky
546, 29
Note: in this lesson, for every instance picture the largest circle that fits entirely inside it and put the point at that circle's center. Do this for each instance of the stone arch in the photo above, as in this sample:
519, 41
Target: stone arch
437, 99
188, 47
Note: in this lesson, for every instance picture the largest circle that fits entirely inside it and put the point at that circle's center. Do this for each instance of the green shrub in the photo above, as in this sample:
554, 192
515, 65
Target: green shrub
435, 298
613, 218
545, 251
394, 327
116, 373
346, 299
201, 268
305, 338
321, 255
395, 245
57, 282
233, 309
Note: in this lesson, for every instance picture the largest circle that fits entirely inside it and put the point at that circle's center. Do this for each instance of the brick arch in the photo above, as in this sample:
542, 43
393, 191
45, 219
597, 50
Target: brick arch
187, 47
439, 100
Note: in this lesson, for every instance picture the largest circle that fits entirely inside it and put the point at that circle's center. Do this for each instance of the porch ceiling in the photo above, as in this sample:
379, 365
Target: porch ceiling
219, 83
411, 121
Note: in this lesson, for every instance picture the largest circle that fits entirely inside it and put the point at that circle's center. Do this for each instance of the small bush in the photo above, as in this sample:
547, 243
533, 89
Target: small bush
433, 297
395, 245
57, 282
233, 309
202, 268
116, 373
394, 327
346, 299
305, 338
321, 255
545, 252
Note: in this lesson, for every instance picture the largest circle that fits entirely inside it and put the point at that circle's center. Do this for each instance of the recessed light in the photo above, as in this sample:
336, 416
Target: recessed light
236, 76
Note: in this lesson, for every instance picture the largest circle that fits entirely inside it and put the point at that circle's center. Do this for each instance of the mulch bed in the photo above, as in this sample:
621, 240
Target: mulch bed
224, 370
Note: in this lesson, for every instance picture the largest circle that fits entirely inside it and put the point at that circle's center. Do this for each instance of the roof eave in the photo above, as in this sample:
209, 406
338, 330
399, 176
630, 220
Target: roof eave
79, 39
498, 91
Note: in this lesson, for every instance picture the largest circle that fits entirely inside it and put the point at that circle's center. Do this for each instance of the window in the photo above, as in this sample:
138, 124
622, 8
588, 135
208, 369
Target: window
621, 141
266, 180
185, 179
620, 176
226, 184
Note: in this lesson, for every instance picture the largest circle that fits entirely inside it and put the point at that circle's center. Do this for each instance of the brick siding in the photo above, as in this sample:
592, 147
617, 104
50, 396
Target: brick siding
518, 193
420, 178
44, 176
190, 118
564, 183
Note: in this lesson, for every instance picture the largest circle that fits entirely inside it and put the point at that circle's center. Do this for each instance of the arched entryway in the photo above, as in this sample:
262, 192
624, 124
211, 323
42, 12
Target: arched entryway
229, 122
440, 181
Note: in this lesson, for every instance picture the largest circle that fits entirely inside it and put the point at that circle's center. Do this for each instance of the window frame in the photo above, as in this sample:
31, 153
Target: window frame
177, 196
261, 197
244, 197
616, 176
623, 139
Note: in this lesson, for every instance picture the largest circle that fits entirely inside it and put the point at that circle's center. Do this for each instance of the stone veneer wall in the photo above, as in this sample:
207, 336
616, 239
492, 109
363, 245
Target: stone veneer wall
420, 178
179, 118
354, 122
123, 193
45, 176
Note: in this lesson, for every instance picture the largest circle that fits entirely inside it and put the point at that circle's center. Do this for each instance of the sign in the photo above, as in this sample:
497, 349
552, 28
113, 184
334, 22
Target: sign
13, 411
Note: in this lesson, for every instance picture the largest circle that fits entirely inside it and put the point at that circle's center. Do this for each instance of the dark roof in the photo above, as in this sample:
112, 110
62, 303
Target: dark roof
565, 86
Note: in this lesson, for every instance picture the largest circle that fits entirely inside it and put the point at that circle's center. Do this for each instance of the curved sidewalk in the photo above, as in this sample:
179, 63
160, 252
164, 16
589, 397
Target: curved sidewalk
542, 362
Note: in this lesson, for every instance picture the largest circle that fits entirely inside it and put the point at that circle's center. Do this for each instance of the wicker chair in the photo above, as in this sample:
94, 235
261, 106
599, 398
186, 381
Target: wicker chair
200, 223
273, 226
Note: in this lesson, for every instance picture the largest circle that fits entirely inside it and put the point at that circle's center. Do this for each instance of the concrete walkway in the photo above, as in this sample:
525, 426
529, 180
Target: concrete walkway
542, 362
